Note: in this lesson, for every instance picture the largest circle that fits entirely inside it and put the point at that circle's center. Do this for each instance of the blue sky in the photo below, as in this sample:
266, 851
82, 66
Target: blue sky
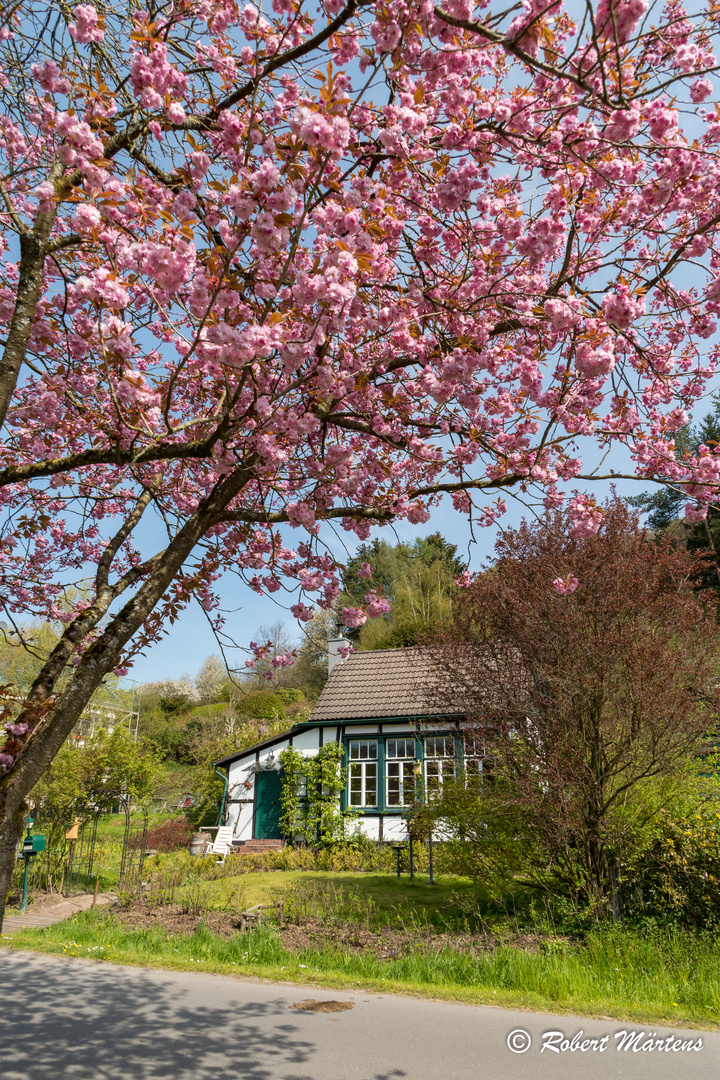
190, 640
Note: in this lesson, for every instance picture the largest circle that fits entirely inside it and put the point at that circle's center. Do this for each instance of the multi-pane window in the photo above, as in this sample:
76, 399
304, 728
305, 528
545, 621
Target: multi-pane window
473, 769
399, 766
475, 762
439, 761
363, 770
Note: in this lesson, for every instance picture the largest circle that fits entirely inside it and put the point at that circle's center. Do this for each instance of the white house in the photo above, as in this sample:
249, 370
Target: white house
376, 705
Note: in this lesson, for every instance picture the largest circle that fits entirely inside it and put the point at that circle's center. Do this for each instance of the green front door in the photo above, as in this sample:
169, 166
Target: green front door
267, 821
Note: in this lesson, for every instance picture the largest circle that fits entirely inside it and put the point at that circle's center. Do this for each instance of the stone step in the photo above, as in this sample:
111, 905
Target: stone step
245, 847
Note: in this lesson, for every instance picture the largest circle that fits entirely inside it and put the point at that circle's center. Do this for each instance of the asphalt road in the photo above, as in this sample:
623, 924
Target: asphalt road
82, 1020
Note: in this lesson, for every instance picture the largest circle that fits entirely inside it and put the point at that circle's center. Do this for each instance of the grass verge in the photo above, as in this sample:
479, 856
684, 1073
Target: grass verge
657, 976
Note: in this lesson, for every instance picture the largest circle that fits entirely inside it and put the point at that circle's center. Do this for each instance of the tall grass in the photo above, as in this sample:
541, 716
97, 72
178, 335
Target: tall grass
653, 976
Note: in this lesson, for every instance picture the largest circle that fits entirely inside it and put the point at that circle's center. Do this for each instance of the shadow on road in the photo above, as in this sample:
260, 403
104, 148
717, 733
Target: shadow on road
74, 1020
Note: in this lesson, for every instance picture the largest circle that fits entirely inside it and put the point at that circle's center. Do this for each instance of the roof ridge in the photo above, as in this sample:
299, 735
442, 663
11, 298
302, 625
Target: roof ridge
399, 649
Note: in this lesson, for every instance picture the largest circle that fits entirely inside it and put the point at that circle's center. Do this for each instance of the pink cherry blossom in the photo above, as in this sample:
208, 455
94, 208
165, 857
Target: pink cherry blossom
621, 308
563, 313
302, 612
563, 586
386, 35
318, 129
695, 513
619, 19
376, 605
17, 729
86, 218
585, 515
45, 194
352, 617
175, 112
700, 90
85, 27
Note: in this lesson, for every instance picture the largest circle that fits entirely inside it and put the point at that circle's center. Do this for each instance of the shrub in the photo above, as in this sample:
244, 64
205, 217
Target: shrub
289, 695
314, 816
215, 709
346, 857
678, 878
261, 705
169, 835
173, 695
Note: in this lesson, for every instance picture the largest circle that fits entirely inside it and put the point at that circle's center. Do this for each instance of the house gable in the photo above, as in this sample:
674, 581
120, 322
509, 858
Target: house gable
372, 705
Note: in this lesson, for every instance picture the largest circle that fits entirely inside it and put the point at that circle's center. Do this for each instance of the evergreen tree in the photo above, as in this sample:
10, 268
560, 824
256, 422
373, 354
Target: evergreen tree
664, 506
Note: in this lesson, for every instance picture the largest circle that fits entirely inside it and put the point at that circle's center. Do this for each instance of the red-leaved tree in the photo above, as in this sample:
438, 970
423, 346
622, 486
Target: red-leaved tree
587, 669
335, 260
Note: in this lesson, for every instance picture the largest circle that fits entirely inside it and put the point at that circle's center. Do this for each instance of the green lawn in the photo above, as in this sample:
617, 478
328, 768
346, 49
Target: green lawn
385, 899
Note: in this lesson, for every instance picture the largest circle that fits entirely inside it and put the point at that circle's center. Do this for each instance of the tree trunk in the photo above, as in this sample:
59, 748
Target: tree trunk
597, 866
12, 813
100, 658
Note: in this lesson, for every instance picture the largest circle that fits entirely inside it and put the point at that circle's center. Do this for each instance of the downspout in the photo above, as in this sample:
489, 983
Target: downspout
225, 777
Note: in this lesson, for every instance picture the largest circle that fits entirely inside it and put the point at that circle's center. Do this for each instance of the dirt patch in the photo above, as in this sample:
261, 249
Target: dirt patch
389, 944
314, 933
309, 1005
143, 916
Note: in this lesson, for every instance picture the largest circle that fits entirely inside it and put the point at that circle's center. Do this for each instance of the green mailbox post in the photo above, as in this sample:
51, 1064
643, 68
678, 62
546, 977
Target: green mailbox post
32, 845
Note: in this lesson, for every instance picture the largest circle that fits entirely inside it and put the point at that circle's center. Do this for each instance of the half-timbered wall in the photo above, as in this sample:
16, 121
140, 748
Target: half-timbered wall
391, 749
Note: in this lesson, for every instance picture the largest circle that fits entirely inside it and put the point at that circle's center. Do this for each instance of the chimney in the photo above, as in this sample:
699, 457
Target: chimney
334, 656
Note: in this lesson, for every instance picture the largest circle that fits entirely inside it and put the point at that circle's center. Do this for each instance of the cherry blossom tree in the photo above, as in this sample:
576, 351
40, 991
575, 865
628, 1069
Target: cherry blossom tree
328, 261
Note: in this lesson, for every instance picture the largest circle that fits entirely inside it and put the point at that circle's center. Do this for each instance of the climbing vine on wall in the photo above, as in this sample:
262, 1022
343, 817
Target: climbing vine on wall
310, 796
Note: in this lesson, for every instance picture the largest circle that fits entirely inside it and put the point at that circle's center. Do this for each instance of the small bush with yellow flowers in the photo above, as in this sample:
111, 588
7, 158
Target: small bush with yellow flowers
678, 877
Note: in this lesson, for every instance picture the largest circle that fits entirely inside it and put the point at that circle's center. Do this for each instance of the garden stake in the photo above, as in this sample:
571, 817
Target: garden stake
24, 901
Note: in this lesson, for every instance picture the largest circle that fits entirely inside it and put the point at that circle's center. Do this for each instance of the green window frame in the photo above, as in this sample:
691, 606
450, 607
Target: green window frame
363, 773
400, 767
388, 773
440, 762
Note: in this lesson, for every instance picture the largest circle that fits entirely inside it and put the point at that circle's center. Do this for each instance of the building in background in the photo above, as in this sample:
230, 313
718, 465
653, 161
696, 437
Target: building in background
395, 742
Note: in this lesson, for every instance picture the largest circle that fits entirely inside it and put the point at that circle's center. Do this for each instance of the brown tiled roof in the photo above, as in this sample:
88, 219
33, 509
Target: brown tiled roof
371, 685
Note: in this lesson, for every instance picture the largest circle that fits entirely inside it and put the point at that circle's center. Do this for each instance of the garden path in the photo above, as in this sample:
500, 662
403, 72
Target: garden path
53, 913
